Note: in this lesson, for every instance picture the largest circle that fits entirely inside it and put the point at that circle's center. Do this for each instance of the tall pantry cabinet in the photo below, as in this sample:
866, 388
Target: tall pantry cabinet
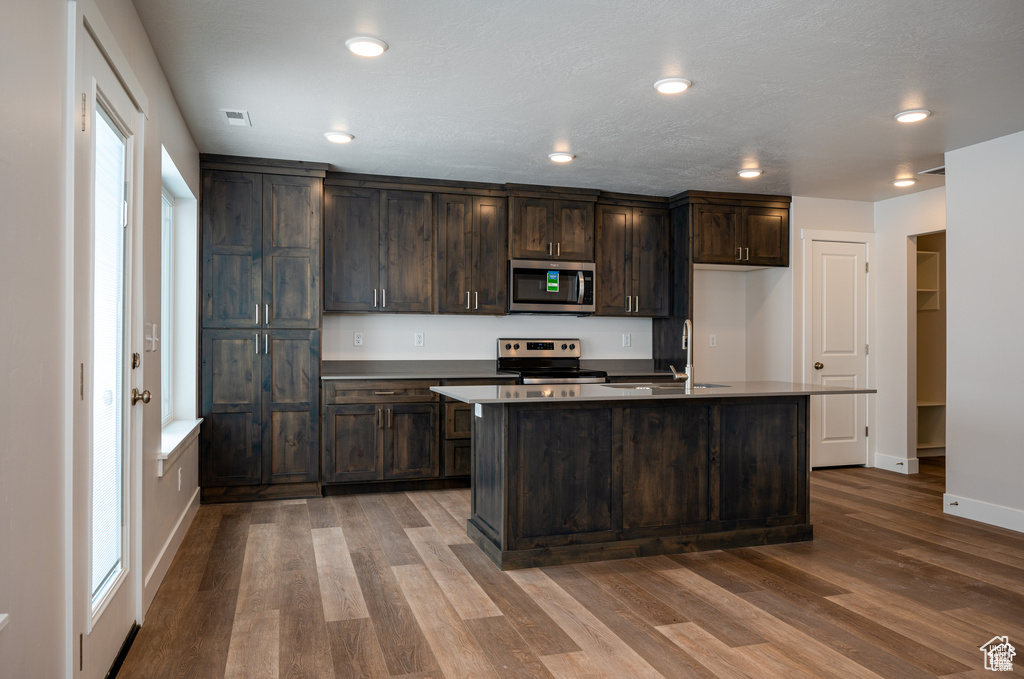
260, 337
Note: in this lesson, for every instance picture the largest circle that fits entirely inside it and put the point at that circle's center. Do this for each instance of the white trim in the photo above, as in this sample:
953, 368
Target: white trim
175, 437
107, 43
156, 574
985, 512
900, 465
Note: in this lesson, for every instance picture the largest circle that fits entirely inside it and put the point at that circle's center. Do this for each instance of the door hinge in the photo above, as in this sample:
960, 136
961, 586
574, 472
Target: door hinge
866, 346
81, 664
865, 432
81, 381
867, 267
83, 111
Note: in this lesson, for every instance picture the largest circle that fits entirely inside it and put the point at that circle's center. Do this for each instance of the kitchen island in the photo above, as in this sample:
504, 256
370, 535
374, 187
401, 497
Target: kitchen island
582, 472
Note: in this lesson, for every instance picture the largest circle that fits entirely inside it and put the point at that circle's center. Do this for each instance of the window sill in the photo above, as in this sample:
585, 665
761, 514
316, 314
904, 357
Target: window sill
174, 438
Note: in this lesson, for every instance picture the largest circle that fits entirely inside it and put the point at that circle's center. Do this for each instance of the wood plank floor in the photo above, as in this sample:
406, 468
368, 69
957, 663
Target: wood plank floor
389, 586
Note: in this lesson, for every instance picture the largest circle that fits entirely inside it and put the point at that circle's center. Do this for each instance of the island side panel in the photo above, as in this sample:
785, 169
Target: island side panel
488, 474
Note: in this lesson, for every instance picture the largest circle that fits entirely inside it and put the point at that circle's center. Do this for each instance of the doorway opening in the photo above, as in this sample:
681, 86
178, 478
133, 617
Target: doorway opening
928, 348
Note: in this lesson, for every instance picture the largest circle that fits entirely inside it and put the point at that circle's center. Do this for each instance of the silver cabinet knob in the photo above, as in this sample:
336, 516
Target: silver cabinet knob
145, 396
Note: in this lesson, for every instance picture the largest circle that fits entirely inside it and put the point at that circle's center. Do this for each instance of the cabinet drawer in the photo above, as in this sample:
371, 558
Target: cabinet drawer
457, 458
347, 391
458, 420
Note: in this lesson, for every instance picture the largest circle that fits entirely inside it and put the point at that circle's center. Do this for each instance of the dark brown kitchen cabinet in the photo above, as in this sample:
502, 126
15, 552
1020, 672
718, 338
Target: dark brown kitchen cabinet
547, 228
261, 250
632, 261
471, 254
740, 231
378, 250
260, 404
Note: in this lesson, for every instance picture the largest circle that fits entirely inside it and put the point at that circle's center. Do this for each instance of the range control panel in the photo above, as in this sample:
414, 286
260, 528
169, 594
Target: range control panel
539, 348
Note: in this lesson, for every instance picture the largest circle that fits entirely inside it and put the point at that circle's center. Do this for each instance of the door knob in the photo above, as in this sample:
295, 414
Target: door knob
144, 396
819, 365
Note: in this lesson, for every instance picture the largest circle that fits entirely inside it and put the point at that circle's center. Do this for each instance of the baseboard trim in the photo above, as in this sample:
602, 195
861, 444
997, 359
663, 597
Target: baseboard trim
163, 561
115, 667
985, 512
900, 465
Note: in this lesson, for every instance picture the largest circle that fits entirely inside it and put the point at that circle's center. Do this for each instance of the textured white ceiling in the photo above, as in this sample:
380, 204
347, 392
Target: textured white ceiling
483, 91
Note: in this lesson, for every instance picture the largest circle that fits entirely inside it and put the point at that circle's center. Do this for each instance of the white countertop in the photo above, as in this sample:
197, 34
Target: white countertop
565, 393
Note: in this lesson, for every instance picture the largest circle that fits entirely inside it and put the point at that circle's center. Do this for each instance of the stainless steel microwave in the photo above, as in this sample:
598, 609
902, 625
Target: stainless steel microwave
542, 286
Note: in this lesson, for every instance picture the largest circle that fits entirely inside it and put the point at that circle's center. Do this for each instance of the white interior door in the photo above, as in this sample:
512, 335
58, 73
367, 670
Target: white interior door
105, 447
838, 353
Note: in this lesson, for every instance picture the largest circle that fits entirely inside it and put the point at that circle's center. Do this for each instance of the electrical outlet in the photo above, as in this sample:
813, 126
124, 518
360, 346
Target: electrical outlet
712, 340
625, 339
417, 339
179, 479
357, 339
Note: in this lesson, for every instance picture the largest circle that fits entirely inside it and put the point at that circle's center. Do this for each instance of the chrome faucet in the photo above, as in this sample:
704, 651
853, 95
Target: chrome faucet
687, 375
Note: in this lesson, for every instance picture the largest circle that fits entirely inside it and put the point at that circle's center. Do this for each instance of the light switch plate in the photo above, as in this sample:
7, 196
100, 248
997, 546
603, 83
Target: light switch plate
478, 409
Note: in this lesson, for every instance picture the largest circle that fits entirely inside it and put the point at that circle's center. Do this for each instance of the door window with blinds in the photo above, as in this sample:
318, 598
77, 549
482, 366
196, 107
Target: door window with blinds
108, 384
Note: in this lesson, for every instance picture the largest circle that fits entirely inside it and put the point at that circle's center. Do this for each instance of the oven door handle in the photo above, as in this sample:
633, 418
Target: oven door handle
581, 281
564, 380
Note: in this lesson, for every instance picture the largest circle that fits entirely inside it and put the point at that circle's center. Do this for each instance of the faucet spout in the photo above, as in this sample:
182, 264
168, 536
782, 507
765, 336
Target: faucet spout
687, 342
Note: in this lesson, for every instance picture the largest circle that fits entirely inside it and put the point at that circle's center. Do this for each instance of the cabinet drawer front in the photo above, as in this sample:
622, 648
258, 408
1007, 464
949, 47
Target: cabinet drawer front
345, 391
458, 420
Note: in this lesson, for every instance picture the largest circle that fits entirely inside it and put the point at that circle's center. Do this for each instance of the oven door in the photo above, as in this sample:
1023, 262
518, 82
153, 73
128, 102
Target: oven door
551, 287
564, 380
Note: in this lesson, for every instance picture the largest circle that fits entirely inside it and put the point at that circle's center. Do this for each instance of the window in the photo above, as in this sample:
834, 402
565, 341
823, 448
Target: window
167, 308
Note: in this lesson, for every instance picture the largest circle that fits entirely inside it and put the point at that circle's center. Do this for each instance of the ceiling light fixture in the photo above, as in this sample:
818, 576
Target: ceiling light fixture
902, 183
561, 157
365, 46
672, 85
912, 116
339, 137
750, 173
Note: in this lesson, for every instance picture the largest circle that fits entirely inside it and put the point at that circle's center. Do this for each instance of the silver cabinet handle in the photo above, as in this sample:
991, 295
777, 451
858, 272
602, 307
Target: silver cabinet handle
582, 285
378, 418
391, 419
746, 252
266, 314
476, 300
257, 342
264, 344
375, 298
558, 252
629, 304
549, 249
257, 314
383, 393
636, 306
467, 299
739, 254
383, 297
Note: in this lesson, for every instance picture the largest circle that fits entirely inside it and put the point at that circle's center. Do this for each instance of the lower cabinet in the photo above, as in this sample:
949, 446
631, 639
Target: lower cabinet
260, 407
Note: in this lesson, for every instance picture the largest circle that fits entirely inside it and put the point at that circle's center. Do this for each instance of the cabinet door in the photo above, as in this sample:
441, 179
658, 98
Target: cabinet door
232, 244
291, 391
353, 440
489, 268
351, 249
458, 456
407, 253
454, 254
291, 251
715, 234
230, 447
766, 233
674, 441
614, 260
650, 262
531, 228
411, 441
574, 227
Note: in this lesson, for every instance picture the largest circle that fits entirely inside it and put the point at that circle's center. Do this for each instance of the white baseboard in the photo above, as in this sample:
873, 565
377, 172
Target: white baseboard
900, 465
156, 574
976, 510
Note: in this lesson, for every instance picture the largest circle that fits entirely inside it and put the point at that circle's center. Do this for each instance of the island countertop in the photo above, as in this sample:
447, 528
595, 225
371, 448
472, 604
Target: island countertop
575, 393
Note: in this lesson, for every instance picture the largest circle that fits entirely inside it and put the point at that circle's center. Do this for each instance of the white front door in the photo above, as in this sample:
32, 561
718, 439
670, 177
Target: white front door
104, 582
838, 355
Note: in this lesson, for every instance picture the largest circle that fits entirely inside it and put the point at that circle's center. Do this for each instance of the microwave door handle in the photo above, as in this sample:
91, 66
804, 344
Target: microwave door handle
582, 283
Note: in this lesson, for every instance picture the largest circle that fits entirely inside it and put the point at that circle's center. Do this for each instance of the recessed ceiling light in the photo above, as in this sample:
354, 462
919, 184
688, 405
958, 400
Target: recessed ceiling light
366, 47
672, 85
339, 137
751, 173
901, 183
561, 157
912, 116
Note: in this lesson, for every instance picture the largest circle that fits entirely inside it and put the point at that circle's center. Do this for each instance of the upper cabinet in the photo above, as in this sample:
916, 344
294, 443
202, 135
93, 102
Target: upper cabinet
378, 250
738, 229
632, 261
261, 250
471, 254
559, 227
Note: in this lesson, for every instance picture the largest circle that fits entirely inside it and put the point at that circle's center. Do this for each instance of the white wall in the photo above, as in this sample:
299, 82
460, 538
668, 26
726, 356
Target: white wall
897, 219
390, 336
985, 364
719, 308
32, 380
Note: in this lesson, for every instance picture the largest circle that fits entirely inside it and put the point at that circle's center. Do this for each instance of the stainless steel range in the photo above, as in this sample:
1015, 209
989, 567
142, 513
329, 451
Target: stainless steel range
545, 361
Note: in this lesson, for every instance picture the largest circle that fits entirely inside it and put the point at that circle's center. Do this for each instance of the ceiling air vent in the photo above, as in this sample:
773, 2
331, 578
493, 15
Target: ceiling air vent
940, 170
235, 117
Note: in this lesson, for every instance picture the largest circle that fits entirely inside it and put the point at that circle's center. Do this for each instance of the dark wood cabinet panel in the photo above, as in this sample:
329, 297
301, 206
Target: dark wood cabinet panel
407, 252
411, 441
471, 254
650, 262
351, 248
232, 241
766, 234
490, 286
458, 455
574, 230
741, 230
352, 443
673, 440
546, 228
715, 234
291, 250
291, 383
633, 261
231, 398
